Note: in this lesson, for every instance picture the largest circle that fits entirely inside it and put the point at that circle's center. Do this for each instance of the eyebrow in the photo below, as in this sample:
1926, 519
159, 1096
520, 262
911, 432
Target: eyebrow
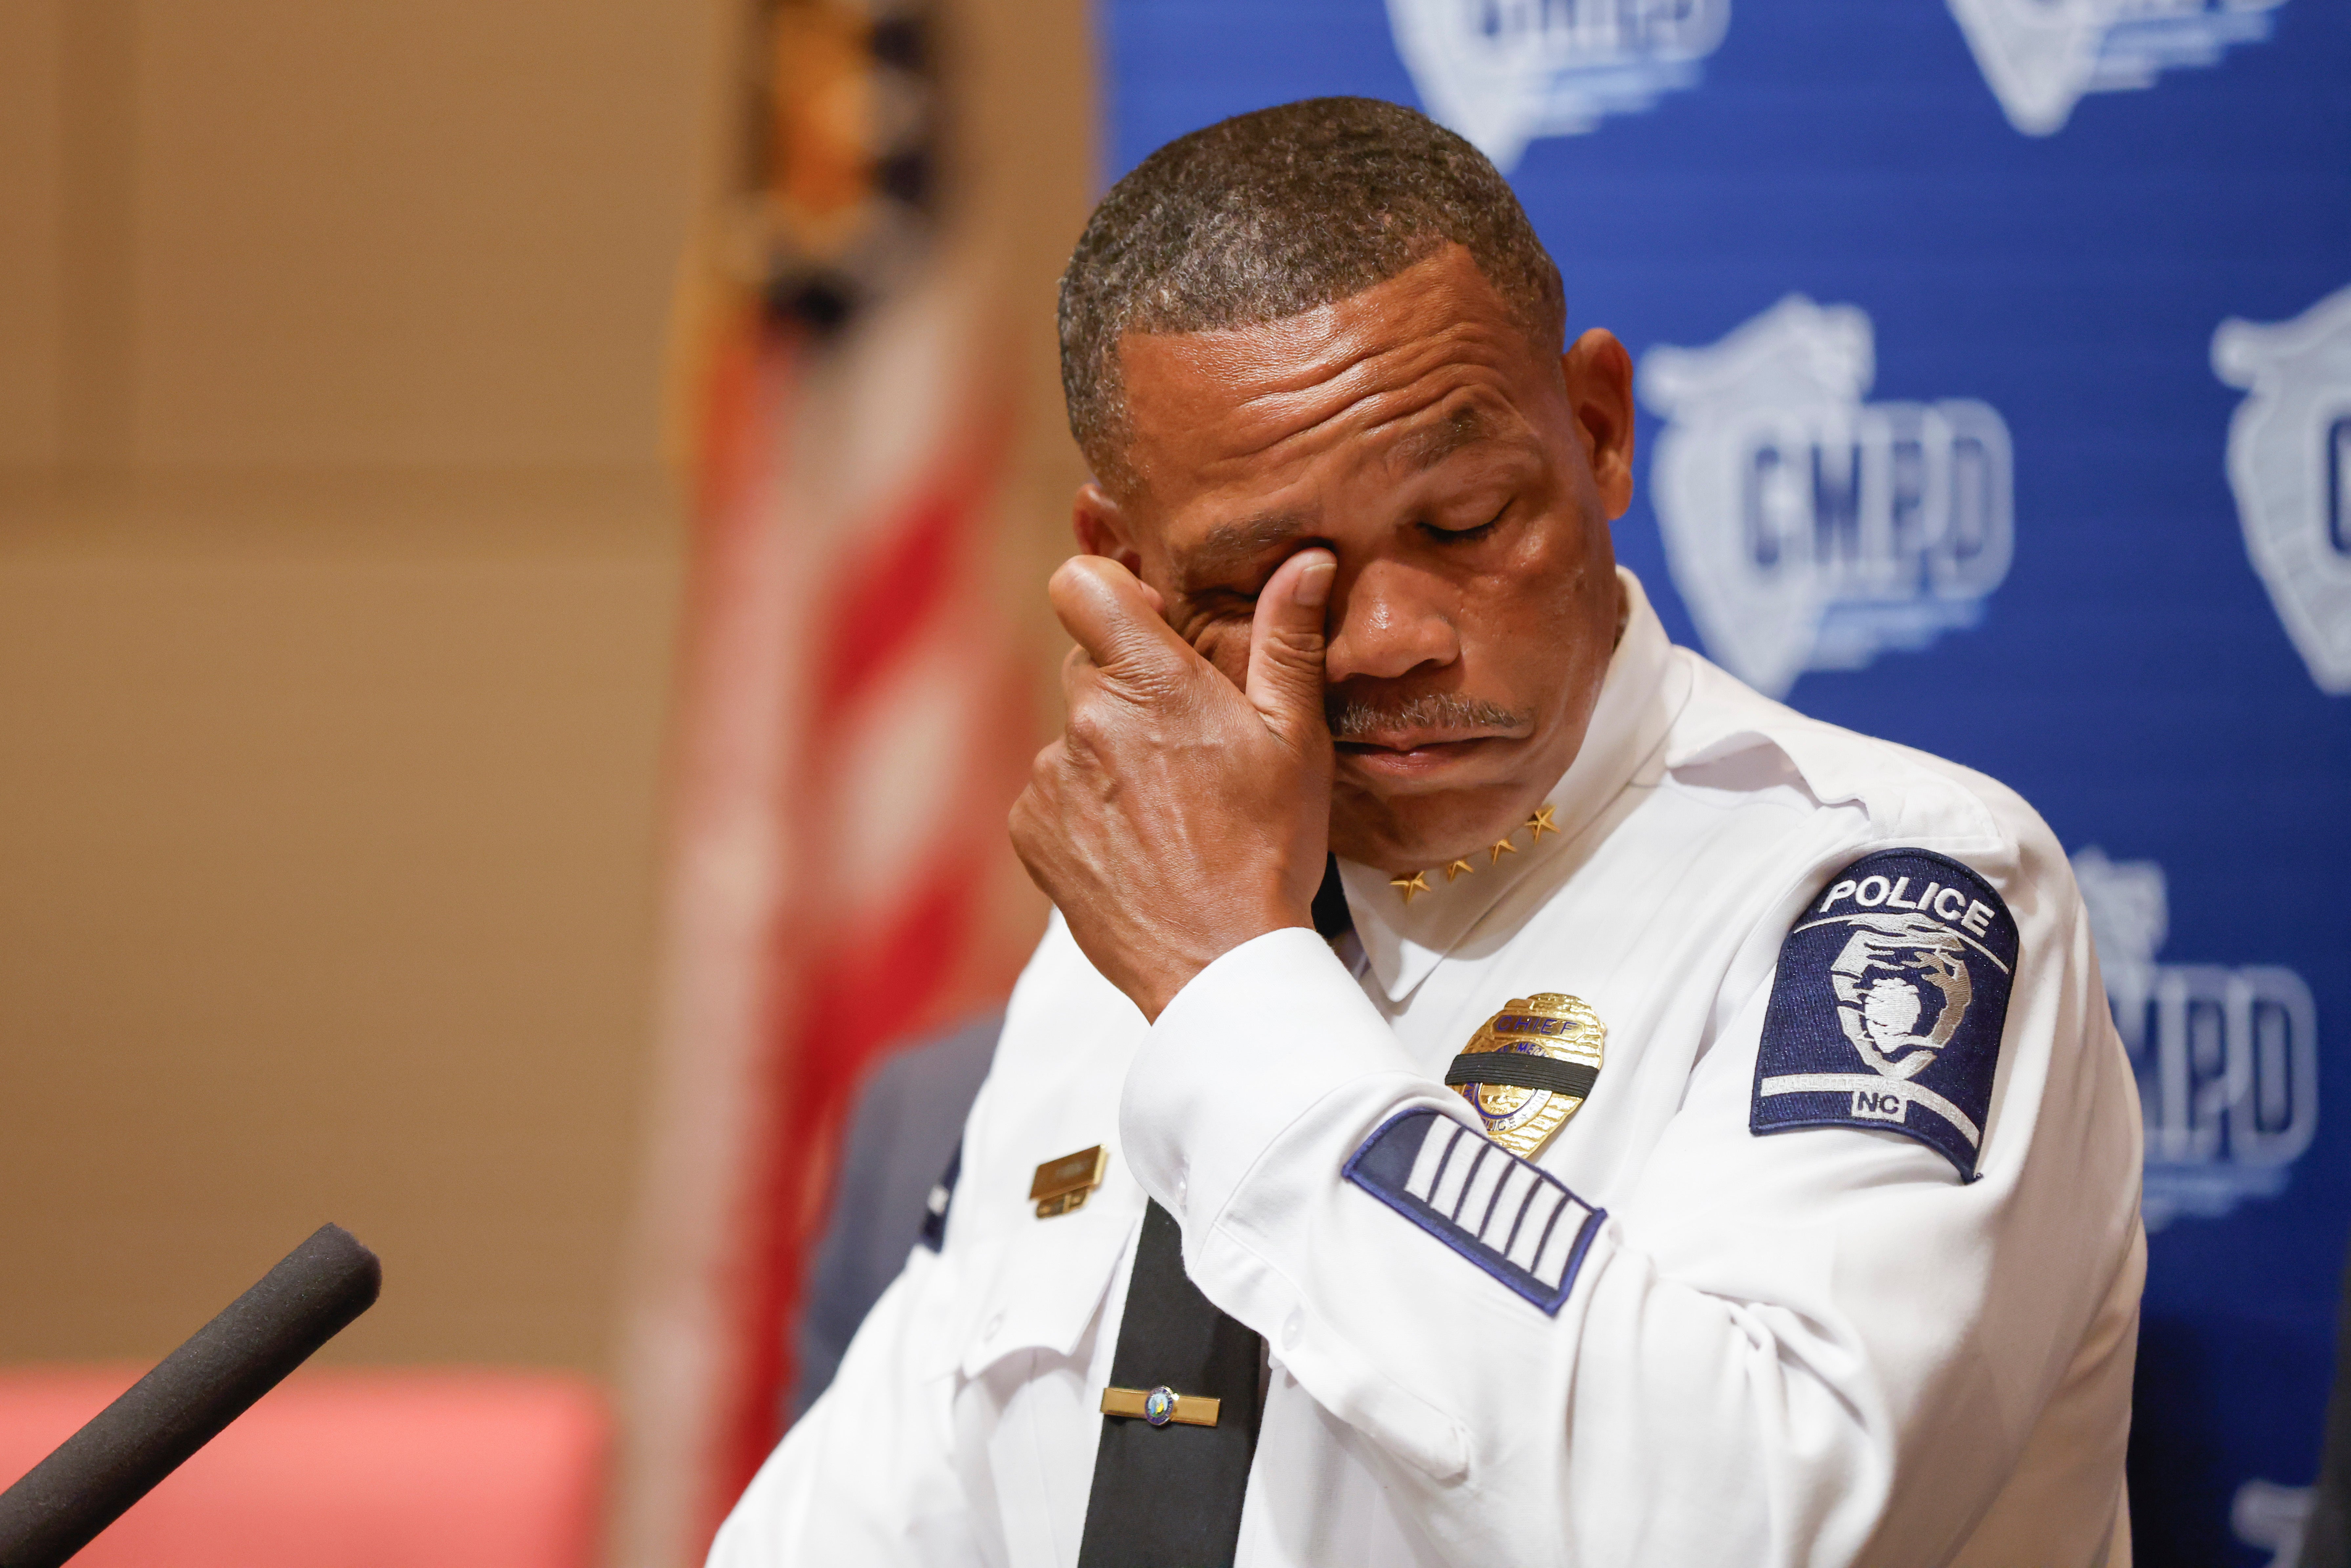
1228, 549
1433, 443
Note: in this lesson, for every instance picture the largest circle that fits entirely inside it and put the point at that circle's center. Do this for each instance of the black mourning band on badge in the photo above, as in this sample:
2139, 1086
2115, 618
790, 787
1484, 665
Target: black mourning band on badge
1521, 1070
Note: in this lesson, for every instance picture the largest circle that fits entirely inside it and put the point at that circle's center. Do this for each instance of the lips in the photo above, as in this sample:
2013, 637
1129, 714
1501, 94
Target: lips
1419, 738
1415, 756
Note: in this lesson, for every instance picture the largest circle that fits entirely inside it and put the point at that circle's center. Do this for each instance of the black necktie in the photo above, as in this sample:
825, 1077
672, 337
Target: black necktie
1169, 1496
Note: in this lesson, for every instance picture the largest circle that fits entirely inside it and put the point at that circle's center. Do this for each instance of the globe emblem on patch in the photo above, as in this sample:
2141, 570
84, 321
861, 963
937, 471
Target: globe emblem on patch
1549, 1024
1903, 989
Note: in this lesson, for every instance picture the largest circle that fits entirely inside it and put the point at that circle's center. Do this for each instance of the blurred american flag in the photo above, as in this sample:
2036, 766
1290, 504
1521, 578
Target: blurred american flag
854, 719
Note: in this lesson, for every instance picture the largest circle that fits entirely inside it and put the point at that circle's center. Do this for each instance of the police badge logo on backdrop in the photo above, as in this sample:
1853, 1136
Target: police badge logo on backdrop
1805, 527
1888, 1004
2041, 57
2290, 465
1504, 73
2227, 1054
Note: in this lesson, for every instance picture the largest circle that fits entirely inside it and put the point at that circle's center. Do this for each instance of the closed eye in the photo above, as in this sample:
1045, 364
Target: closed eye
1466, 536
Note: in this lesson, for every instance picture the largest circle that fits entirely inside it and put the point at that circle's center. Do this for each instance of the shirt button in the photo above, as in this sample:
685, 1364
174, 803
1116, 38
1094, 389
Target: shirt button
995, 1324
1293, 1329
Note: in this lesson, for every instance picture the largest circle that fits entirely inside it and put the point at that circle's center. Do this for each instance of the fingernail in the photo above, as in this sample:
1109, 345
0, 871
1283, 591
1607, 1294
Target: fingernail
1314, 584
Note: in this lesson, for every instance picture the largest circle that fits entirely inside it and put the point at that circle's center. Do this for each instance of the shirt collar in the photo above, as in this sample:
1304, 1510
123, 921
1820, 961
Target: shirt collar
1644, 688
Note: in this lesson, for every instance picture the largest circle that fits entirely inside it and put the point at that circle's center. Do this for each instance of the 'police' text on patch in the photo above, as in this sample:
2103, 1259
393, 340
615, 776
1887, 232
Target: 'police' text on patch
1887, 1006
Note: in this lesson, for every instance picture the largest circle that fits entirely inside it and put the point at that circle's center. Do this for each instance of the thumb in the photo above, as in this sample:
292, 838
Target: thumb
1286, 643
1116, 619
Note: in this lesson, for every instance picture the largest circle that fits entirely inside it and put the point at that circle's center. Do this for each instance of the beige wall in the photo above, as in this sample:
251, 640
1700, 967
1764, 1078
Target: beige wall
339, 566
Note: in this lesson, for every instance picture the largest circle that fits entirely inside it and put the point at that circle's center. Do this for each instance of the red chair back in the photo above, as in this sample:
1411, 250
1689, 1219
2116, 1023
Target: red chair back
350, 1469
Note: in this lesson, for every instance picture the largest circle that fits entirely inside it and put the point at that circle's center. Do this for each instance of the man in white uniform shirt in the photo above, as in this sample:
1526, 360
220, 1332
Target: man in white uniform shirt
1496, 1089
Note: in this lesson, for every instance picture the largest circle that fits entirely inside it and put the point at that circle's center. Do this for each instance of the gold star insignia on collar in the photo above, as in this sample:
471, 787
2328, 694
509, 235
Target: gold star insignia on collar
1502, 846
1458, 868
1540, 822
1408, 886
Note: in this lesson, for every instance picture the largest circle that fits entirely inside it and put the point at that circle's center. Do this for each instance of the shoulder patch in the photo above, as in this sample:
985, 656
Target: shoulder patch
1888, 1004
1506, 1215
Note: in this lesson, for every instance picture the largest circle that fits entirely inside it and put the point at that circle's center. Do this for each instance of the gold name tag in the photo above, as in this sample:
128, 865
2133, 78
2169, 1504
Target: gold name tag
1063, 1185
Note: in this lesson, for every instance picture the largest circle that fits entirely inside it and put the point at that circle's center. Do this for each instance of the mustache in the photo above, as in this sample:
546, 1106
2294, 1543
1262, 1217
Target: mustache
1352, 718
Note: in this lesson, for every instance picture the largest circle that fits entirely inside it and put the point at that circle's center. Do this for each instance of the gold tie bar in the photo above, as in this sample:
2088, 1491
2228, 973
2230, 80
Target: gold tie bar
1161, 1405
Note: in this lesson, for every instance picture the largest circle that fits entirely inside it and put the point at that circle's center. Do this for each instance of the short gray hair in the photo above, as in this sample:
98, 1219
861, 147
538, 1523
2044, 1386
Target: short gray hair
1268, 214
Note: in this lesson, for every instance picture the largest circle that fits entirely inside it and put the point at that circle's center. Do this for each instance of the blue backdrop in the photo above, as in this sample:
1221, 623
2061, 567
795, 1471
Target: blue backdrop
1997, 399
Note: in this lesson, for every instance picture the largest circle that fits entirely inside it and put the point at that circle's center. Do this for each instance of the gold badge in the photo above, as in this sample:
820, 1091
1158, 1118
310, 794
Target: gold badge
1063, 1185
1530, 1067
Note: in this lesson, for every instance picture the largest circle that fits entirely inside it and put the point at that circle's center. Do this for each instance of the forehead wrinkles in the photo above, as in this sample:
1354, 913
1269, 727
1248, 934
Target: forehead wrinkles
1363, 394
1214, 400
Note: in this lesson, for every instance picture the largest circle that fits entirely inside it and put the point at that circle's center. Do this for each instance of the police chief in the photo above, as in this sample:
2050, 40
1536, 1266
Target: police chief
1495, 1090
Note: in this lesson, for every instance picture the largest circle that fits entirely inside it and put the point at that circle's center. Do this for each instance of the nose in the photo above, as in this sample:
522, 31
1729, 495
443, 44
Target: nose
1388, 621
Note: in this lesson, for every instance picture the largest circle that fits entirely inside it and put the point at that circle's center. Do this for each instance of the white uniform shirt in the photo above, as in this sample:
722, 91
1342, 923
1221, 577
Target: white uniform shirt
1820, 1347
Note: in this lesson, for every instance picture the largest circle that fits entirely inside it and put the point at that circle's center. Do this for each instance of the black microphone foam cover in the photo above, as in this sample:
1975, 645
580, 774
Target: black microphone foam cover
67, 1499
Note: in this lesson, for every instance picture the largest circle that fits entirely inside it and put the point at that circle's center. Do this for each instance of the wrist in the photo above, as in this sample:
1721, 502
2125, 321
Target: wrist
1158, 984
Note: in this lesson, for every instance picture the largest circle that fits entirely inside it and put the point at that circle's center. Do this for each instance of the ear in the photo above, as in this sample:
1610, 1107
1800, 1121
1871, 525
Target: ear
1102, 526
1600, 390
